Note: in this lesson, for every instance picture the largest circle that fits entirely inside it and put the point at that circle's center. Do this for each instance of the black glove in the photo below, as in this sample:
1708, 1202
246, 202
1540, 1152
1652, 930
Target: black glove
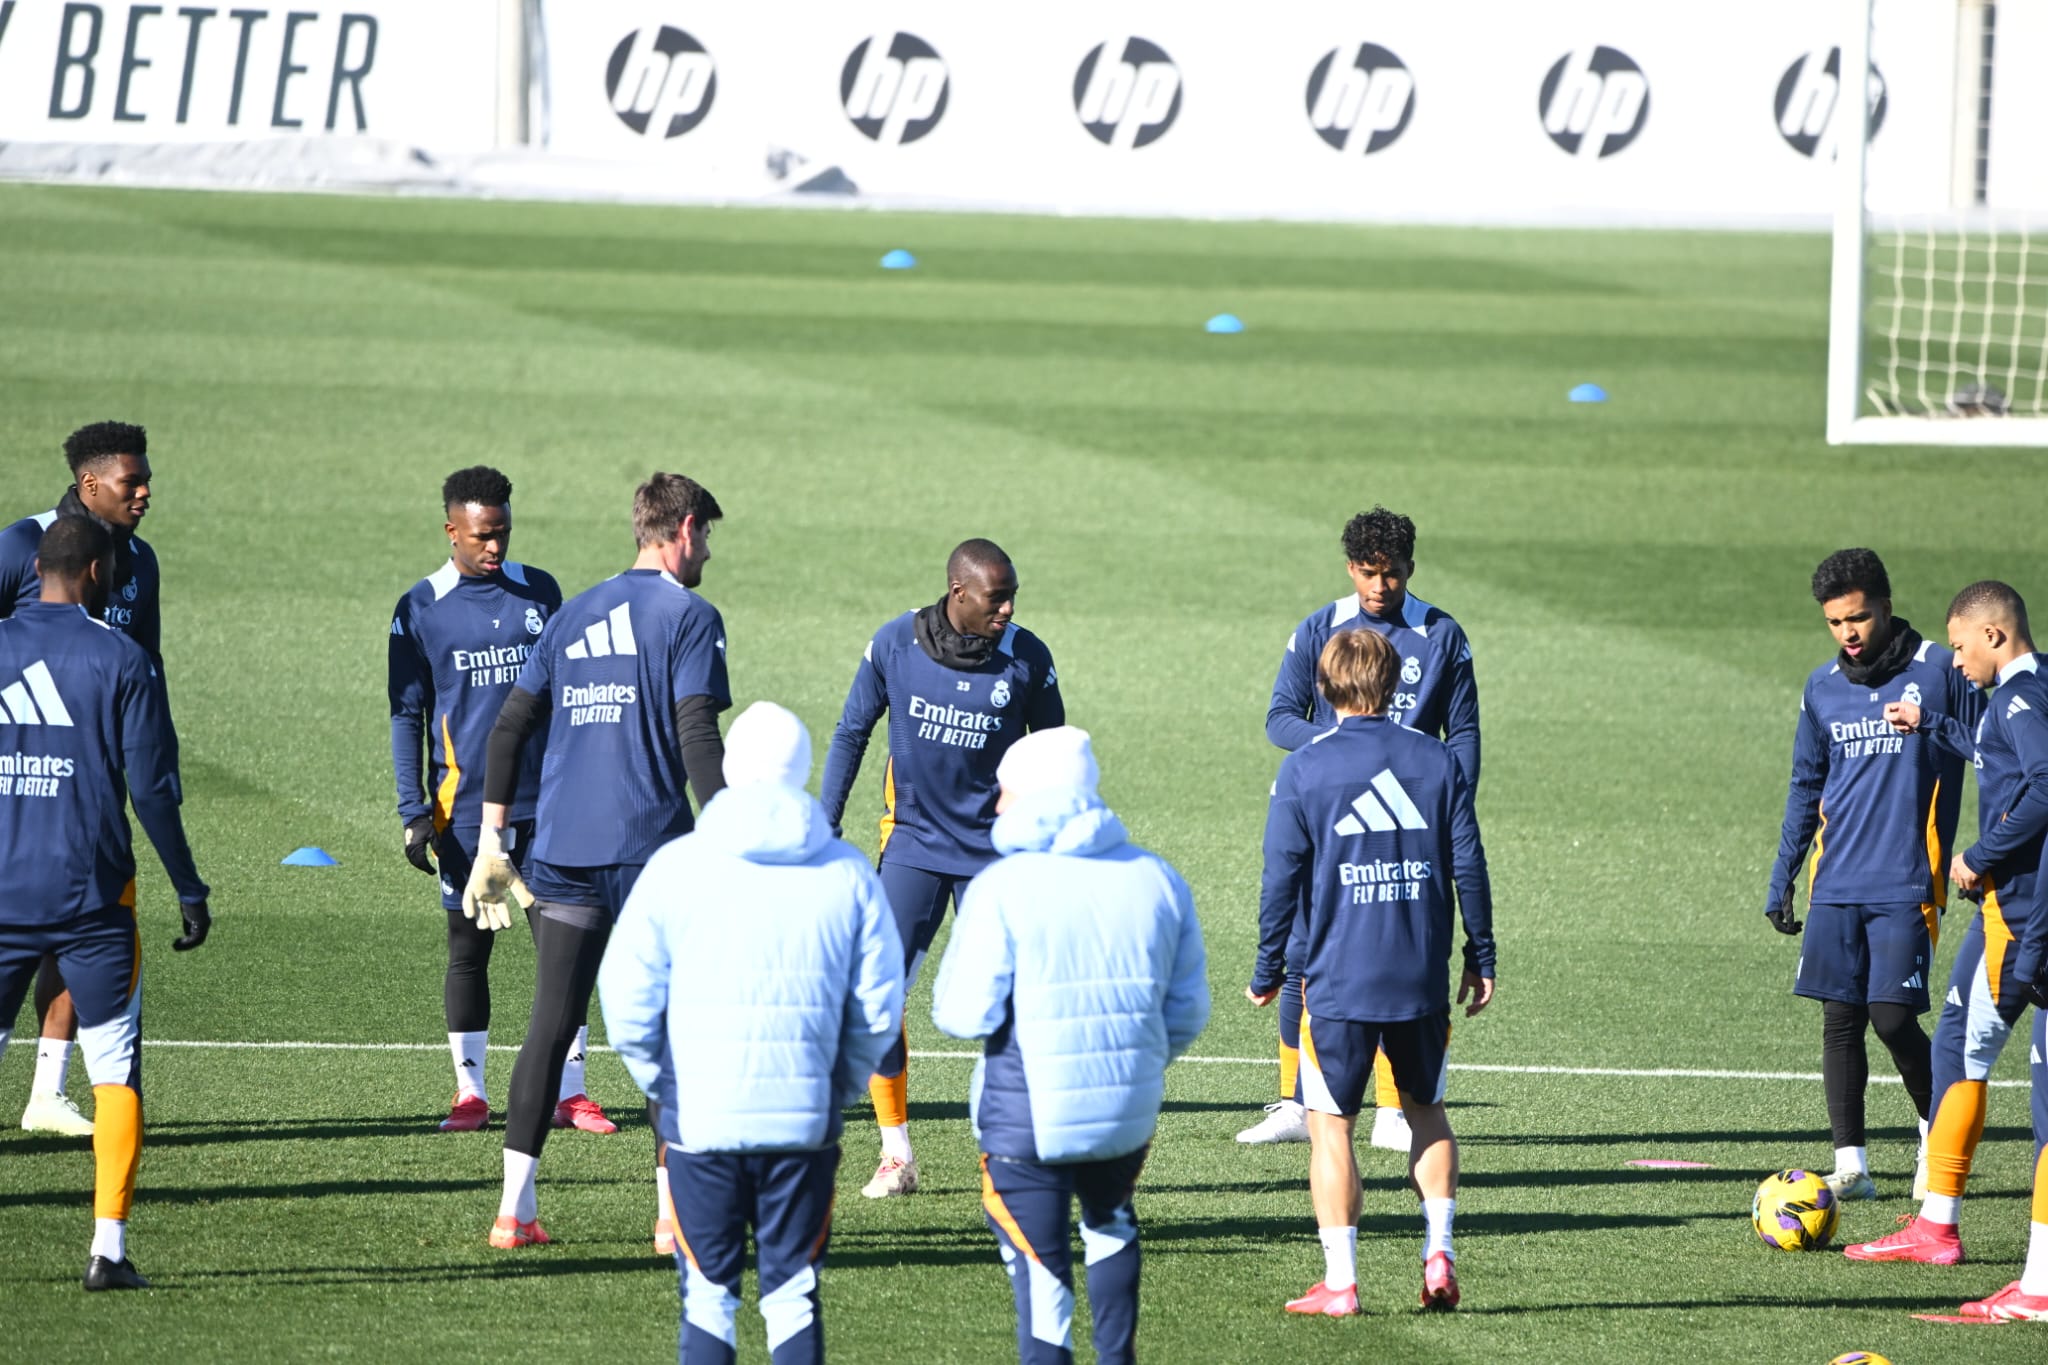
198, 922
2017, 995
1782, 919
419, 843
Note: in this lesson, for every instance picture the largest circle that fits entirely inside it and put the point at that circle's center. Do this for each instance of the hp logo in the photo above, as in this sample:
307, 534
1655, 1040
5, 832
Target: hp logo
661, 81
1594, 103
894, 87
1806, 102
1127, 96
1363, 105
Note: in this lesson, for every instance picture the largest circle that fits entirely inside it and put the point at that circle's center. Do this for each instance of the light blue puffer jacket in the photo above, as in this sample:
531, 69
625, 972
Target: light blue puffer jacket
755, 977
1079, 958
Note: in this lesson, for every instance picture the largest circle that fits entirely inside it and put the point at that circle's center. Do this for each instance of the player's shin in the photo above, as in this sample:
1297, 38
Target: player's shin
1951, 1144
2034, 1279
1432, 1152
117, 1154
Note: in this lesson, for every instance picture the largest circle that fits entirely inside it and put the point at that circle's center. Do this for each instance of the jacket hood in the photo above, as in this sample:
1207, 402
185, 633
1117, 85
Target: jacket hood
765, 822
1067, 821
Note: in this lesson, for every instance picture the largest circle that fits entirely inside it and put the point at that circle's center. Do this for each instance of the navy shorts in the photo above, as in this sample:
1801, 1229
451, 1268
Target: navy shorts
599, 891
455, 854
1868, 954
1337, 1055
100, 955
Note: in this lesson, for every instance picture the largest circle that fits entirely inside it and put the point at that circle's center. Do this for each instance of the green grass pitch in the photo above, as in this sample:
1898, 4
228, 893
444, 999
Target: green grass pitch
1633, 577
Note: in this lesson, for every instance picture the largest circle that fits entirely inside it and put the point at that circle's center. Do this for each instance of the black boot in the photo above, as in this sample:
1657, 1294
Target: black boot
101, 1273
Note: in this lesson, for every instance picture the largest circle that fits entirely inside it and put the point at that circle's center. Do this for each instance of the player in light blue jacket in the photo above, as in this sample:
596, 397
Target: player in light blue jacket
1079, 958
753, 981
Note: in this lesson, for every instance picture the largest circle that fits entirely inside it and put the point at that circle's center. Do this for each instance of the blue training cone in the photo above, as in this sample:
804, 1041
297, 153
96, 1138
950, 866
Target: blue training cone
899, 259
1224, 324
1588, 393
309, 857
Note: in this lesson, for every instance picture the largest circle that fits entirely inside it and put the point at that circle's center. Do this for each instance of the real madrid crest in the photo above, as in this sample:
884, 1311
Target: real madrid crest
533, 621
999, 695
1411, 670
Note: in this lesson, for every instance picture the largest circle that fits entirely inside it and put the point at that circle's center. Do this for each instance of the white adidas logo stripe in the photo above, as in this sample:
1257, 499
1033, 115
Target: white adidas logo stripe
613, 635
1393, 808
16, 703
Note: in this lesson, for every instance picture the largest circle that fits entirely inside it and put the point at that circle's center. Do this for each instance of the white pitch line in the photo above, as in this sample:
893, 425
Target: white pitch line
1626, 1073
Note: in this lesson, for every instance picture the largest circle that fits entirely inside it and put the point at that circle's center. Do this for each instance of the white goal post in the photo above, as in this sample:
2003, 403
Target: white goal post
1938, 312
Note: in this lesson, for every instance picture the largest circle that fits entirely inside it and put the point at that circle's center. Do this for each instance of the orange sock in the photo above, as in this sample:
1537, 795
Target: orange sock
891, 1095
116, 1149
2041, 1188
1290, 1070
1952, 1137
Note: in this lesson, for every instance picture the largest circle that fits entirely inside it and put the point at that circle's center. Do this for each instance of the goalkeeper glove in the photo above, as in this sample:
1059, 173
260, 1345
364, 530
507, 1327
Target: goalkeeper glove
493, 882
419, 843
1782, 919
198, 923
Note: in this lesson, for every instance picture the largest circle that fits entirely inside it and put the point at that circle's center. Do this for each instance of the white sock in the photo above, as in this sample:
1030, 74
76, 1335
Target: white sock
110, 1238
1851, 1159
1436, 1222
468, 1052
53, 1060
1340, 1256
518, 1200
1943, 1208
896, 1142
572, 1066
1923, 1133
2034, 1279
664, 1203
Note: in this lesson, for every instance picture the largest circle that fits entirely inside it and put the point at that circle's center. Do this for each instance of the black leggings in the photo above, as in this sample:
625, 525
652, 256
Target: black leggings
466, 989
566, 952
1845, 1066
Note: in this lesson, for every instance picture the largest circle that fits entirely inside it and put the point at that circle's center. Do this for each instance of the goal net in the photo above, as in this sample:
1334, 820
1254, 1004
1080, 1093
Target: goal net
1939, 326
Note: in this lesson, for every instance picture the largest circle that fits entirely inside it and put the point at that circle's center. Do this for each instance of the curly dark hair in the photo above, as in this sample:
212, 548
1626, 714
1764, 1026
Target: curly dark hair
1379, 536
479, 484
102, 441
1995, 601
1847, 571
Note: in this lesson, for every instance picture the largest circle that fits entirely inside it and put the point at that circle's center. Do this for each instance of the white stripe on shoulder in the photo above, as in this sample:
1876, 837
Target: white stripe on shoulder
1008, 643
515, 572
444, 579
1324, 735
1920, 655
45, 519
1415, 614
1343, 609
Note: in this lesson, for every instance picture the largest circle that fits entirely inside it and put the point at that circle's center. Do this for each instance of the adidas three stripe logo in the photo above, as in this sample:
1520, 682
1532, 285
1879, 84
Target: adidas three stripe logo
613, 635
1390, 809
33, 700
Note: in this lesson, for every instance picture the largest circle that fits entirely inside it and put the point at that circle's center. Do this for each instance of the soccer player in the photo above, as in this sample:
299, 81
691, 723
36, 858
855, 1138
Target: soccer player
110, 477
756, 971
629, 678
1372, 828
1437, 696
1999, 967
960, 683
1078, 957
458, 640
1878, 880
81, 720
